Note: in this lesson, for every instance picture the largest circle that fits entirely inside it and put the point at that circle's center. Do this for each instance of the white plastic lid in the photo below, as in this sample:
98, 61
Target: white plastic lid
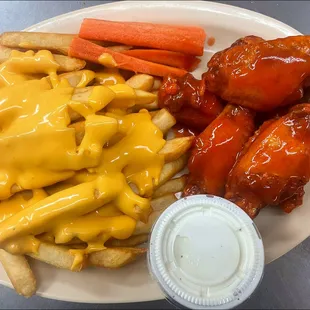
205, 252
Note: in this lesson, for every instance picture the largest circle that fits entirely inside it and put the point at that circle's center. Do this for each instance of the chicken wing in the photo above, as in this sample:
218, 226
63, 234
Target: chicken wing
274, 166
216, 149
258, 74
189, 101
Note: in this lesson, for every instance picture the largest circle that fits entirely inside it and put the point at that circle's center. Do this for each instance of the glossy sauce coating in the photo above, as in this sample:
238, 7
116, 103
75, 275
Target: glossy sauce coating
274, 165
242, 73
216, 149
189, 101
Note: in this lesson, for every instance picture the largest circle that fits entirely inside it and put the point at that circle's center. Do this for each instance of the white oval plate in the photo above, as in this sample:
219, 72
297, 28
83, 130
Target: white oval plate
281, 232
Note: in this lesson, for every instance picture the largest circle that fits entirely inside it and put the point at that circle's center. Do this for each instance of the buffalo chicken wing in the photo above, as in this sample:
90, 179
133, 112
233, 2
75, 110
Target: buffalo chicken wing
189, 101
216, 149
274, 165
261, 75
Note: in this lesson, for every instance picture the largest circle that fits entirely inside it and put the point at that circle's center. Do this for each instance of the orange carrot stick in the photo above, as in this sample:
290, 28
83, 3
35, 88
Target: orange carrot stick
169, 58
185, 39
87, 50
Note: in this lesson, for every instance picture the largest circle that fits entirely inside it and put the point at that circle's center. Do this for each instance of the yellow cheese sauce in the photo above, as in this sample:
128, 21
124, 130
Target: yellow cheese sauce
94, 201
109, 76
107, 60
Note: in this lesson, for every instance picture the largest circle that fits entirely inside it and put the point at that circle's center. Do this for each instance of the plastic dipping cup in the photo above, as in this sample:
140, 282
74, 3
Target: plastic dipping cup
206, 253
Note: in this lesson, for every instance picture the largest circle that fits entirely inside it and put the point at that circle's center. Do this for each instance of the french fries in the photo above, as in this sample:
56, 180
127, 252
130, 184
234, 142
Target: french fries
149, 106
120, 89
78, 78
172, 168
56, 42
66, 64
19, 272
130, 242
109, 76
164, 120
5, 53
172, 150
159, 205
144, 97
162, 203
141, 81
172, 186
175, 148
157, 83
83, 95
56, 255
74, 116
79, 131
37, 40
60, 257
115, 257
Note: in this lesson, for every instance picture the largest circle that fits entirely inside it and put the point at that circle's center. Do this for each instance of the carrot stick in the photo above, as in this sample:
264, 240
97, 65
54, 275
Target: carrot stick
173, 59
185, 39
87, 50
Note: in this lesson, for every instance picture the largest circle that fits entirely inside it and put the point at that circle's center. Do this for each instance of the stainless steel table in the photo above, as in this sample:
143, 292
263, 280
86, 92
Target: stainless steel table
286, 284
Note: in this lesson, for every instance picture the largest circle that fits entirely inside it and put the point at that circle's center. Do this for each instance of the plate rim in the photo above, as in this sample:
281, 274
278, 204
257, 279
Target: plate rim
203, 5
197, 5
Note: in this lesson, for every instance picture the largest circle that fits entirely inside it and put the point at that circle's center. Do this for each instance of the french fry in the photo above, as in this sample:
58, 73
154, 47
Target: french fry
90, 100
74, 116
162, 203
5, 53
130, 242
67, 64
78, 78
122, 92
141, 81
172, 186
144, 97
82, 94
159, 205
175, 148
79, 131
145, 228
19, 272
150, 106
125, 92
164, 120
37, 40
157, 83
109, 76
172, 150
172, 168
80, 126
56, 255
115, 257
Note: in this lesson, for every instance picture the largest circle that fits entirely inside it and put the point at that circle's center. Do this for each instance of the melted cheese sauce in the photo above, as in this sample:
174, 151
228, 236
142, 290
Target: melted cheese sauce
38, 149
